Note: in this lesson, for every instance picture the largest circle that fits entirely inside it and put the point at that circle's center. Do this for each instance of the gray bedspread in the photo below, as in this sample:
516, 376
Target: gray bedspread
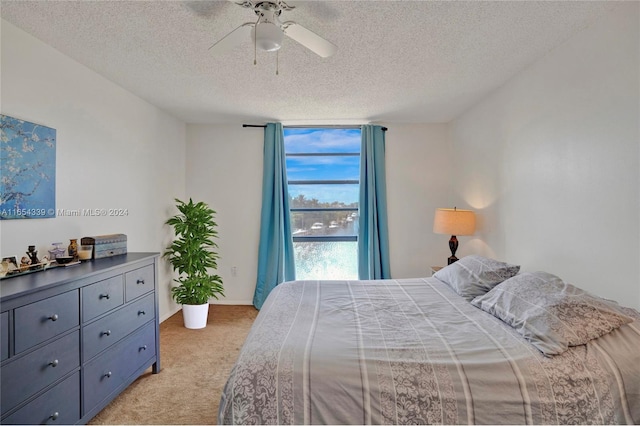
413, 352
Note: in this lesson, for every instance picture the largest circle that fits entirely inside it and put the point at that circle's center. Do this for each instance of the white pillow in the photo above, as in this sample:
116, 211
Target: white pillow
551, 314
475, 275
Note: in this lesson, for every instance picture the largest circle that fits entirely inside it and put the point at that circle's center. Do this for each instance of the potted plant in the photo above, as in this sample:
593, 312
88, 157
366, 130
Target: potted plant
192, 254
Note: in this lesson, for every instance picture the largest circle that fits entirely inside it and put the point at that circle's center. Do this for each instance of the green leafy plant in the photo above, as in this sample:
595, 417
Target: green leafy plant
192, 254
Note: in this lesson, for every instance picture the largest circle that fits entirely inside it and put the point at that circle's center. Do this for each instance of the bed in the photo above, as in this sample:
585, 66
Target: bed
416, 351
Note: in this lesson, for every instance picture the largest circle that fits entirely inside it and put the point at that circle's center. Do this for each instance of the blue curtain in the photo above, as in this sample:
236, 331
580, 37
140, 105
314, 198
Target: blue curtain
275, 253
373, 234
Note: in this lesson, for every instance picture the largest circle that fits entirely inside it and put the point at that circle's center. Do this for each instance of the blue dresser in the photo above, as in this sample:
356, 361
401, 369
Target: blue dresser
72, 338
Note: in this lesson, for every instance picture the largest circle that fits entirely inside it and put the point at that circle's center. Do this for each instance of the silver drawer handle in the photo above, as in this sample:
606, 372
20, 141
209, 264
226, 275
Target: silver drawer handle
106, 333
140, 282
54, 363
142, 313
143, 348
107, 374
54, 317
54, 416
104, 296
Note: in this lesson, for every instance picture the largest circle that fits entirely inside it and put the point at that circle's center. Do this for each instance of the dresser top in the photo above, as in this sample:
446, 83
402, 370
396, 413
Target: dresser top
29, 283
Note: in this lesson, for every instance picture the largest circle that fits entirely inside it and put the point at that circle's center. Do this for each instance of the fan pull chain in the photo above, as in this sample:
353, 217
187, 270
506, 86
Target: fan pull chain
277, 61
255, 43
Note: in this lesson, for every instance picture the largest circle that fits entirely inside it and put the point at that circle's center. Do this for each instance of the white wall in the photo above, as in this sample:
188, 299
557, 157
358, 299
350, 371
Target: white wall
418, 182
224, 168
114, 150
551, 161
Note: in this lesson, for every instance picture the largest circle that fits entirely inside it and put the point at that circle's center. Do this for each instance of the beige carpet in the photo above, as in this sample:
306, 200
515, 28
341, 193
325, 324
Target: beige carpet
195, 365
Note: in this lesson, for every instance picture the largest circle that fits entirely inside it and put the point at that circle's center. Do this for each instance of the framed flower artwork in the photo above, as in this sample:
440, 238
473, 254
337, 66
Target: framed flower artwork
27, 170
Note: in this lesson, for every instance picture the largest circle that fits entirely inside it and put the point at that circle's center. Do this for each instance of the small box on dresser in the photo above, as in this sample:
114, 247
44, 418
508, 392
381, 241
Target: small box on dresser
106, 245
74, 338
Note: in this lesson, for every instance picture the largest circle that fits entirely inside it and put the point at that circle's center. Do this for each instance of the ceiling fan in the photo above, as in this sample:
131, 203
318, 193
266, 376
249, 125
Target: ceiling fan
267, 32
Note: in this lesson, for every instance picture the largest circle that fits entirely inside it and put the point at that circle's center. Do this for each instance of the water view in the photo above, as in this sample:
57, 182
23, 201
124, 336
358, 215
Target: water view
326, 261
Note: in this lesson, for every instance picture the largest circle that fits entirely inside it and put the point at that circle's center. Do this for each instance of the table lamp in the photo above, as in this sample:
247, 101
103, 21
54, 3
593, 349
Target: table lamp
454, 222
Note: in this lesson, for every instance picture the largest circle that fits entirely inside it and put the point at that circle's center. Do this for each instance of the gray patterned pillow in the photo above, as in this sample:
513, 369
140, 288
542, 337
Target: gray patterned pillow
550, 313
475, 275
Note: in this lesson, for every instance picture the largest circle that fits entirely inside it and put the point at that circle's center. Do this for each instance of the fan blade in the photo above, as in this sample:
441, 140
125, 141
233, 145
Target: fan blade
243, 3
309, 39
233, 39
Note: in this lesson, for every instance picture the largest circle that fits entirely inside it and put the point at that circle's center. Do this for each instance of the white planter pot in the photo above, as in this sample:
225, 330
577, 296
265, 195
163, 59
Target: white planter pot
195, 316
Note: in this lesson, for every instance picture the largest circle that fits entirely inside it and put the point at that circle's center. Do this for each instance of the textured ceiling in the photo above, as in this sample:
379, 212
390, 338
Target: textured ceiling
397, 61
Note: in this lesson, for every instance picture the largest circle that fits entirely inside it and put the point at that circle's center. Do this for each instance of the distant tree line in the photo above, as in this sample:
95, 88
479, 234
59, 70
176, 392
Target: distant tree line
332, 221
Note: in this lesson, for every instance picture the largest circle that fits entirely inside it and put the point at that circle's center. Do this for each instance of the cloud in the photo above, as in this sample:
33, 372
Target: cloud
322, 140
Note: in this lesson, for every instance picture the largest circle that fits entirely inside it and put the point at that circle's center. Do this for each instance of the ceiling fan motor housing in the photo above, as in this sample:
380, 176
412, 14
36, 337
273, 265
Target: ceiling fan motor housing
271, 6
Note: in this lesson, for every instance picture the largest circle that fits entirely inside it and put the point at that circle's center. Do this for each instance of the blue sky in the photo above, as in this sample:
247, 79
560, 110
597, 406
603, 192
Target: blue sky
298, 140
323, 140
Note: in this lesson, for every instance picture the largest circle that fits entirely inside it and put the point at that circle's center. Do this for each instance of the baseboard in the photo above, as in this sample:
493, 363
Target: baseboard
217, 302
166, 316
231, 302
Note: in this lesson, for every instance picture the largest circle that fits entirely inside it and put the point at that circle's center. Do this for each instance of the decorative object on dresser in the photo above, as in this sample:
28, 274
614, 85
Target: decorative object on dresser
72, 250
64, 260
56, 251
454, 222
33, 255
73, 338
85, 252
106, 245
192, 254
9, 266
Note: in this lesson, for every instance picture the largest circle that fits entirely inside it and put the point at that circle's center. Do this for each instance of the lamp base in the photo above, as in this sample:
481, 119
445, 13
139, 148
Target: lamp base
453, 246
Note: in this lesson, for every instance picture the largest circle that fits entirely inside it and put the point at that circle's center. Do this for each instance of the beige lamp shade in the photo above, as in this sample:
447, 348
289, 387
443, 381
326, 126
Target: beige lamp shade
454, 222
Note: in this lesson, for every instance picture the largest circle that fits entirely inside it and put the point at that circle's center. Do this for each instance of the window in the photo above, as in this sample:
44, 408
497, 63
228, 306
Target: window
323, 171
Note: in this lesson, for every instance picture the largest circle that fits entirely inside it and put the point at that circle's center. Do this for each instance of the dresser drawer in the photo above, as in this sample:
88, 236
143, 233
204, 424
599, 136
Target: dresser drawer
39, 321
139, 282
58, 405
28, 374
4, 335
108, 371
106, 331
101, 297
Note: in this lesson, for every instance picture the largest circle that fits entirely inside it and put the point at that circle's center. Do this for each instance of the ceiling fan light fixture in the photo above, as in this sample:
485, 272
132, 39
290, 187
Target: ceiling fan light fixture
268, 36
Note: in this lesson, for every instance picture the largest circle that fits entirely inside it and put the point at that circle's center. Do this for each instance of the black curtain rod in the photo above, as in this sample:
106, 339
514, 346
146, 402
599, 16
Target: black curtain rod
384, 129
